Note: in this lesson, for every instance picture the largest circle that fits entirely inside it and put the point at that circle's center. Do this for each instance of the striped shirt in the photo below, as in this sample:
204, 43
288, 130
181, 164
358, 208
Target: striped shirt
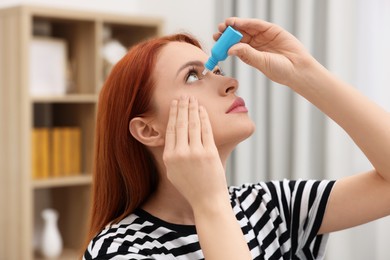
280, 220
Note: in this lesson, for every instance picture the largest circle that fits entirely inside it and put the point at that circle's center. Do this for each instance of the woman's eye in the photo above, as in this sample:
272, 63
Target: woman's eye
192, 77
218, 72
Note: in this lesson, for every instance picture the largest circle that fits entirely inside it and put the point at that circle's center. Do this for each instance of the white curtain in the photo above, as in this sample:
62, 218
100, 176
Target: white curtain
295, 140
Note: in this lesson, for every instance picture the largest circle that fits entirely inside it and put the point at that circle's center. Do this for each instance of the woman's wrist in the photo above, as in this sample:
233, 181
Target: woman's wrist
306, 73
213, 204
309, 80
219, 232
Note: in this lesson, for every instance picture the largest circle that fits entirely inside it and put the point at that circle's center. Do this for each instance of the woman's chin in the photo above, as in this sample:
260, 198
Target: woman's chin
247, 131
234, 137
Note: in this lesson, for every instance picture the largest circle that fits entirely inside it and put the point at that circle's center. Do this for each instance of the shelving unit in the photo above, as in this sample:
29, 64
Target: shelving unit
22, 198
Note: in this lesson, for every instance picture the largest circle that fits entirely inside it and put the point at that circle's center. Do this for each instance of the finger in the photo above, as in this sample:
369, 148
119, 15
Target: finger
194, 123
249, 55
182, 122
231, 21
207, 132
216, 36
248, 24
170, 135
222, 27
251, 28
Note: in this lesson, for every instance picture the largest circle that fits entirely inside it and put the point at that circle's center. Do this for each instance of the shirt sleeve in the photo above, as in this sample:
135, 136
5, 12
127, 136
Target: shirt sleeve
302, 205
284, 217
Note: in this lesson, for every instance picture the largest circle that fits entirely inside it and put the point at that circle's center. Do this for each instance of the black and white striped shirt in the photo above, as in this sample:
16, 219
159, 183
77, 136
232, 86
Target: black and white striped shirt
279, 219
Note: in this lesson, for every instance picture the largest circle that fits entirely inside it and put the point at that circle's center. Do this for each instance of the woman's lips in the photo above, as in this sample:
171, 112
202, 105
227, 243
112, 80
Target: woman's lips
238, 106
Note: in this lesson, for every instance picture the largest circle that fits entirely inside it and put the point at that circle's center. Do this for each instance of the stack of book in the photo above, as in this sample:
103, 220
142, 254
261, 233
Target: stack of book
56, 152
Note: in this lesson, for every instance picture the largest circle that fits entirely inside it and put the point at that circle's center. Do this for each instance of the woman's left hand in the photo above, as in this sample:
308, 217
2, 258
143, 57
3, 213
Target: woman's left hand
191, 158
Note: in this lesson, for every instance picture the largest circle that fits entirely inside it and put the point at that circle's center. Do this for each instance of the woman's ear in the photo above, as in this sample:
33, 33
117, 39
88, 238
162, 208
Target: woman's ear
145, 132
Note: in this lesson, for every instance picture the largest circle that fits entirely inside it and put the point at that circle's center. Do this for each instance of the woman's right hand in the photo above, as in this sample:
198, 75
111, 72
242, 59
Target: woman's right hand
190, 156
270, 49
194, 167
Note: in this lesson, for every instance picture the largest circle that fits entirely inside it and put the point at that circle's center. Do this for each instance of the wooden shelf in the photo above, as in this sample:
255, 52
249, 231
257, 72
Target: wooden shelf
70, 98
23, 198
67, 254
83, 179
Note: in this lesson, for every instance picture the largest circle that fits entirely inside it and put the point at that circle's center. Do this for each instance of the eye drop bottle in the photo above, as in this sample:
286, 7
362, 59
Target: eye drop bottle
219, 51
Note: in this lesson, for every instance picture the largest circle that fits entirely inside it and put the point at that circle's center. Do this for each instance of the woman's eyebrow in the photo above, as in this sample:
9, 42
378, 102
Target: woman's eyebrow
197, 63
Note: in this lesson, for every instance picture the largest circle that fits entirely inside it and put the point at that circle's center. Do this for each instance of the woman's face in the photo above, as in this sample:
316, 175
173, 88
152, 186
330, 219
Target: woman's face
178, 72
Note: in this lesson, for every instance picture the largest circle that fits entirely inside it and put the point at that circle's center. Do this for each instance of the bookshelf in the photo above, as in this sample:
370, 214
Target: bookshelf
22, 197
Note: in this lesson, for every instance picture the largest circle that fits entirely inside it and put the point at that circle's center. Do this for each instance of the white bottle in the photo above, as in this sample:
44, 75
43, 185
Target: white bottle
51, 246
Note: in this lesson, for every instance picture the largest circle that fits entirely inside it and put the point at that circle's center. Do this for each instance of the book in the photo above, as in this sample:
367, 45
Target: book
56, 146
76, 155
71, 150
40, 138
67, 151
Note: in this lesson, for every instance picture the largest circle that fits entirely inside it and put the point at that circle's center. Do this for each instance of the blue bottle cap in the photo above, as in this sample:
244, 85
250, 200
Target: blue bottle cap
219, 51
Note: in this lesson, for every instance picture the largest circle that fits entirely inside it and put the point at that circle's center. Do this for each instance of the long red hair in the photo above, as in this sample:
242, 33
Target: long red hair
124, 173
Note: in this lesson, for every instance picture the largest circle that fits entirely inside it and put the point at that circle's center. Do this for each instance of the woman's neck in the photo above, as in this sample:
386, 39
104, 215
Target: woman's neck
168, 204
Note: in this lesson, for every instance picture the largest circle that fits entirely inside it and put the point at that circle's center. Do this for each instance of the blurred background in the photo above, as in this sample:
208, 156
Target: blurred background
292, 140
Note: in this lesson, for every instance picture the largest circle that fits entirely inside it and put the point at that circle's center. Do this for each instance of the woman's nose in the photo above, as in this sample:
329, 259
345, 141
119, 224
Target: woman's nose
230, 85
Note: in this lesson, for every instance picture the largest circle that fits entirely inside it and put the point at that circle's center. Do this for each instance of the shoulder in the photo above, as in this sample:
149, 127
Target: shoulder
280, 187
121, 240
281, 192
143, 236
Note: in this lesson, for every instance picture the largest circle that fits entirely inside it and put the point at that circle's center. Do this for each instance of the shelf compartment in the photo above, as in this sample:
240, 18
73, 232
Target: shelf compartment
70, 114
80, 38
130, 34
125, 35
72, 204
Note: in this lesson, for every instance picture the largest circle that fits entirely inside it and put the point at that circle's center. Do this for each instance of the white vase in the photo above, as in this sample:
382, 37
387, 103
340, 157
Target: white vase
51, 246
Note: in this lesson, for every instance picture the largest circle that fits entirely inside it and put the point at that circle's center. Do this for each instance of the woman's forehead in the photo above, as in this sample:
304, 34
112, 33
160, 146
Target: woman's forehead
180, 52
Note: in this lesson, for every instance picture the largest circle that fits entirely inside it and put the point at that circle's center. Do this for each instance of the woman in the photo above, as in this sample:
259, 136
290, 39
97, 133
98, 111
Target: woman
164, 133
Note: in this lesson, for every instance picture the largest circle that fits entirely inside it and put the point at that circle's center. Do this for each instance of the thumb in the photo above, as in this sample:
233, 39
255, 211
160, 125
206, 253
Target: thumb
248, 55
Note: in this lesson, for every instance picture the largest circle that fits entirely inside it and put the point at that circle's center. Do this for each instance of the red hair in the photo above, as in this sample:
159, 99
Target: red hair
124, 173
